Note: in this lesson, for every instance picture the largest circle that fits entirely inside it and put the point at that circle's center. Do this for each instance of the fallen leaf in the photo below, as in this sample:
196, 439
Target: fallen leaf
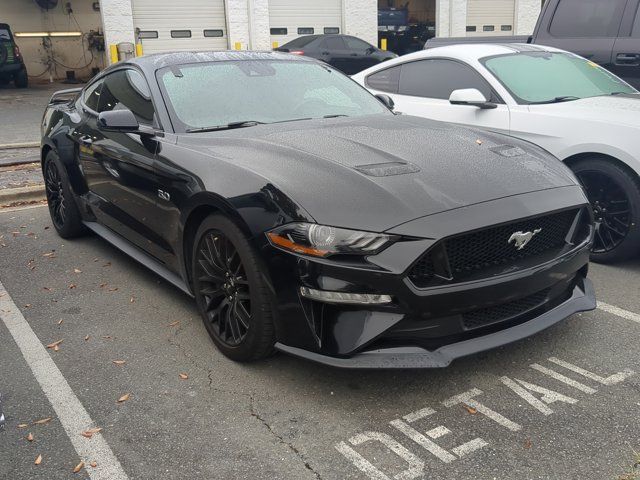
50, 254
173, 324
471, 410
87, 434
107, 337
56, 348
38, 460
119, 362
46, 228
28, 305
94, 430
30, 437
22, 425
124, 398
527, 443
184, 376
42, 421
87, 337
114, 289
60, 321
46, 289
108, 264
132, 299
76, 270
102, 285
94, 464
79, 467
479, 142
72, 286
54, 344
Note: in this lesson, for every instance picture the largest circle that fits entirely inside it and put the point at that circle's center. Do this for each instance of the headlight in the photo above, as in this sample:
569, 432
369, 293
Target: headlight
322, 241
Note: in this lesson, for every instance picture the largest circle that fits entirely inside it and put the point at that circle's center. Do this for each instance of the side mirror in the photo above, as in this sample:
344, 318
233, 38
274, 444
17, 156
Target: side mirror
118, 121
472, 97
386, 100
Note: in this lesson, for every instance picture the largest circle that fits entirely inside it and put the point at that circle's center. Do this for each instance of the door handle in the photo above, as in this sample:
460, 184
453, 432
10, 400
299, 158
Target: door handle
628, 59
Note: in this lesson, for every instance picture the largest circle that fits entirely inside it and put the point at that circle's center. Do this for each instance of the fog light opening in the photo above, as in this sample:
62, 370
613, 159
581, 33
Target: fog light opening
345, 298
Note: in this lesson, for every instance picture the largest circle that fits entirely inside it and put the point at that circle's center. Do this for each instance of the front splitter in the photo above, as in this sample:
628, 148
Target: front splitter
582, 299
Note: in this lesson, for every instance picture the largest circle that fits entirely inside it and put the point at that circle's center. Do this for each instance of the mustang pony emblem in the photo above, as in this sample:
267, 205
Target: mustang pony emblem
521, 239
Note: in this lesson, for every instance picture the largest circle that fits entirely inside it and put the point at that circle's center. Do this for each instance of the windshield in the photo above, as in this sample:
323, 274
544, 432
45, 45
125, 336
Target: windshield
4, 34
544, 77
220, 93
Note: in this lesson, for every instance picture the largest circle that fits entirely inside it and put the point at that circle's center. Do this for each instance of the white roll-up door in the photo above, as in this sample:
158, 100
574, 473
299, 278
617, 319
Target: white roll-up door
490, 17
289, 19
172, 25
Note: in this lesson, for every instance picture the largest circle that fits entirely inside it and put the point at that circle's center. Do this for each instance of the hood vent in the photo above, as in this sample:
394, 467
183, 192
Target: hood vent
387, 169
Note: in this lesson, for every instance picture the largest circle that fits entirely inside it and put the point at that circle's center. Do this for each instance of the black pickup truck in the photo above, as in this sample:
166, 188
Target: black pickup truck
604, 31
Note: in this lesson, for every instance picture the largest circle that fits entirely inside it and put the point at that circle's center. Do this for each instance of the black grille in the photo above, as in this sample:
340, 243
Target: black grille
506, 311
469, 255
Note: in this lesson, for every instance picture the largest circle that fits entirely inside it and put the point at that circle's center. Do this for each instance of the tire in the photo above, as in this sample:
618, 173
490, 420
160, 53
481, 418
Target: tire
612, 191
232, 296
21, 79
63, 208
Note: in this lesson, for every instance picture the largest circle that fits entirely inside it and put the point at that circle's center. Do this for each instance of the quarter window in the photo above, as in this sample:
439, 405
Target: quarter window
386, 81
438, 78
127, 89
587, 18
92, 95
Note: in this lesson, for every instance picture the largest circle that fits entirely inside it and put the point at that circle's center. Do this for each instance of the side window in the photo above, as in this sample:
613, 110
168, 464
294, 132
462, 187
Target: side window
127, 89
587, 18
334, 43
386, 81
438, 78
92, 95
356, 44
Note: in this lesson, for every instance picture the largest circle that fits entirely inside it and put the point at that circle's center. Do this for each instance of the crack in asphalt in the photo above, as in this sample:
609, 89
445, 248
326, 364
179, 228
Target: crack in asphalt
254, 413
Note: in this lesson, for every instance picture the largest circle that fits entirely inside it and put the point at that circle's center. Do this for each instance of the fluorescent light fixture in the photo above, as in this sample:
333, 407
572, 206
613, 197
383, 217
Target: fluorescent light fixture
345, 298
47, 34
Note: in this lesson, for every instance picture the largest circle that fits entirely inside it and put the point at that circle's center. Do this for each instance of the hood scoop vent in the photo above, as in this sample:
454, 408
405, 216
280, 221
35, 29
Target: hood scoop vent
387, 169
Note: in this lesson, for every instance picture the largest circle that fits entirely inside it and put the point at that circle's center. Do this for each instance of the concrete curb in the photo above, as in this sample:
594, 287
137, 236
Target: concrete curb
34, 193
11, 146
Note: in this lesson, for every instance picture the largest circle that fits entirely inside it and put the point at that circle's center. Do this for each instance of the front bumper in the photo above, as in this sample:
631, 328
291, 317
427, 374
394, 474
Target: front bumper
582, 299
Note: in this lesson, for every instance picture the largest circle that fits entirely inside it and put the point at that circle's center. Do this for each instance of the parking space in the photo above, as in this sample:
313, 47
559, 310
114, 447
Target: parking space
562, 404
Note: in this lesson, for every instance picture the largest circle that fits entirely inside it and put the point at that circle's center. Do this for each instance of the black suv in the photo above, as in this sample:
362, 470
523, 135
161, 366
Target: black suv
11, 63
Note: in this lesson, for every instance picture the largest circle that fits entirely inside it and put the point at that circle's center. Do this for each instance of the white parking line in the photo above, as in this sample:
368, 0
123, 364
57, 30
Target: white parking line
634, 317
72, 415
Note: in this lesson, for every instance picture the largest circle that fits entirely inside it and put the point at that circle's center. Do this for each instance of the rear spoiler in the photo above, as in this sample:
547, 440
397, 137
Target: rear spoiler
64, 96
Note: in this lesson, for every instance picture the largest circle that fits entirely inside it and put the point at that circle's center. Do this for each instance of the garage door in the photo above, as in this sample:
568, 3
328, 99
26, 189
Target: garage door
290, 19
172, 25
490, 17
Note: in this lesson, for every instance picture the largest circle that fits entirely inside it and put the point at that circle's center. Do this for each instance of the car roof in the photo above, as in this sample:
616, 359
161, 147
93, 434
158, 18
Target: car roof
161, 60
475, 51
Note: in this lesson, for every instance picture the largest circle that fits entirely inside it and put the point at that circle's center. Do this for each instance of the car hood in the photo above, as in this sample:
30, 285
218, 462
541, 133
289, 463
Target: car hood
376, 172
609, 110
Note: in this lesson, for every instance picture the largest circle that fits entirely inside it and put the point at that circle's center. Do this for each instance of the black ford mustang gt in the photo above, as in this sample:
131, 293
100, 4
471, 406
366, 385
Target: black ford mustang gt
304, 216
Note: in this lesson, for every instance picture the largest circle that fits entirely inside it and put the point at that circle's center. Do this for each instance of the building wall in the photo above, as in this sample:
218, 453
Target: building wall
26, 16
360, 19
451, 17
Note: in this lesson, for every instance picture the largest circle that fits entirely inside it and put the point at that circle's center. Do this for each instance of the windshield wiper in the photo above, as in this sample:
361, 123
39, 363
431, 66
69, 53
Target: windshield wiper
228, 126
565, 98
335, 116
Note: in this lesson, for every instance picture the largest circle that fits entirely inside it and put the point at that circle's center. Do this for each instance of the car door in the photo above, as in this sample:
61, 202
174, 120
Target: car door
423, 88
626, 51
333, 50
586, 27
361, 53
122, 177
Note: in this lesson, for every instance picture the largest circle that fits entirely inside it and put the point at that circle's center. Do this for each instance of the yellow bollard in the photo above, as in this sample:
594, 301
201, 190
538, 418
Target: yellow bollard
383, 44
113, 53
139, 51
238, 46
275, 45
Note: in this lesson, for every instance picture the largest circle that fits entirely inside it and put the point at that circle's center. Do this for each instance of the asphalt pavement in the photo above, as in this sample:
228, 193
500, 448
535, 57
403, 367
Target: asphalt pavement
562, 404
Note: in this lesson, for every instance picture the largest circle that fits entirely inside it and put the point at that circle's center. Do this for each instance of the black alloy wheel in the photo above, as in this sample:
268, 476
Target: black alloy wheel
63, 209
55, 195
230, 286
615, 198
224, 287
